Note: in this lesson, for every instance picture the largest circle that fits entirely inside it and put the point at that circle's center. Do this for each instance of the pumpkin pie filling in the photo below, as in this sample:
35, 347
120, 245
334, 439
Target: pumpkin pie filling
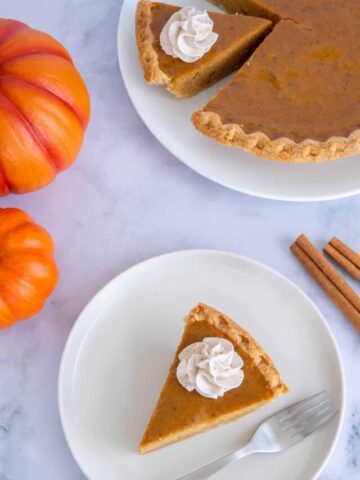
276, 91
180, 413
296, 99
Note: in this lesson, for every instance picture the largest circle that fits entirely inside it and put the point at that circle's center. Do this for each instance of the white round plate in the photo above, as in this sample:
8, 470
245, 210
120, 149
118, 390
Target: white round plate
169, 121
119, 352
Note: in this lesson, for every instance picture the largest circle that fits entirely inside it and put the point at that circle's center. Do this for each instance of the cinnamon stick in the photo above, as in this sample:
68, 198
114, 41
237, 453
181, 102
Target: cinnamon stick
344, 256
329, 279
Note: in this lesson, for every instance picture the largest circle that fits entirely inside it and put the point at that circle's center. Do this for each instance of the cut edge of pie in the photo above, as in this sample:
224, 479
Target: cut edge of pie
191, 83
284, 149
259, 360
247, 7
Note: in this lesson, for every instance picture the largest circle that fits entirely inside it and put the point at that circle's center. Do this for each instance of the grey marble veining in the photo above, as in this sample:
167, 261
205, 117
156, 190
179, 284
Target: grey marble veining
127, 199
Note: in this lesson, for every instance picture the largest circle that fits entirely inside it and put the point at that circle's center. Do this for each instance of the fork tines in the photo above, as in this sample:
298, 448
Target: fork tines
306, 416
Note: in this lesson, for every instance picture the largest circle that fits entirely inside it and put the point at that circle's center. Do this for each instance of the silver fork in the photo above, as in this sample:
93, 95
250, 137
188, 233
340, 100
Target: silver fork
279, 432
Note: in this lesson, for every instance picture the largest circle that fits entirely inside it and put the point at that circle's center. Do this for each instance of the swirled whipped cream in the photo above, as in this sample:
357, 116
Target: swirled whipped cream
211, 367
188, 34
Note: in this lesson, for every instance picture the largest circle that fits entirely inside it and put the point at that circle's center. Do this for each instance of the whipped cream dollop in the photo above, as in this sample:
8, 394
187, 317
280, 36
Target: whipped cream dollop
211, 367
188, 34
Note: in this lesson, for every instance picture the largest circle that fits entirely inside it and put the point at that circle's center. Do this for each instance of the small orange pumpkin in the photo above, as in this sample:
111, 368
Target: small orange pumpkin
44, 108
28, 272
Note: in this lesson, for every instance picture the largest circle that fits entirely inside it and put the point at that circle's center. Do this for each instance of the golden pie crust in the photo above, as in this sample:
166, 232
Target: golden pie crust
145, 41
180, 414
284, 149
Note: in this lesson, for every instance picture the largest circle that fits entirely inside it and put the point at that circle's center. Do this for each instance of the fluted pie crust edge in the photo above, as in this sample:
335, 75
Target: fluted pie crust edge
284, 149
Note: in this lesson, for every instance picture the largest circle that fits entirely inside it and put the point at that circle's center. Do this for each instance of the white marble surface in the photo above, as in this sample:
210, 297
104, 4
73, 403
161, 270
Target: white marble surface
127, 199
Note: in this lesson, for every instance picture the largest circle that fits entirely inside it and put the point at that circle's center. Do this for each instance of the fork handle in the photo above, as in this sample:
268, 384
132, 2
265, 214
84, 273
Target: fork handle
210, 469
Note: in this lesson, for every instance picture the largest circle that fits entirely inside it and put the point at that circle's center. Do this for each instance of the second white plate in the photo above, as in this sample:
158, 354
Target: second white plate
121, 347
169, 121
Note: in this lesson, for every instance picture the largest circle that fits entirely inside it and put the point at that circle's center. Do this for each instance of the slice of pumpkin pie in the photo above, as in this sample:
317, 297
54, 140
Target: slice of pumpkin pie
219, 374
188, 50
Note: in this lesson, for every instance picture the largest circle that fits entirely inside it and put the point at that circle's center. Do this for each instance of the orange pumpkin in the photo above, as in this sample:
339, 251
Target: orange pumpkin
28, 272
44, 108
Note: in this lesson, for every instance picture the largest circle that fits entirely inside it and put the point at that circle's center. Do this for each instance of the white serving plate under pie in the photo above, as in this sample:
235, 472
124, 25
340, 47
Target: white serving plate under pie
121, 347
169, 121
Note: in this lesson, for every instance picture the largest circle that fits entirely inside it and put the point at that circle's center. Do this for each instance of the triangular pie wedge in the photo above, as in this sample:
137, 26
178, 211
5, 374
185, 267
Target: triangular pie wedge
238, 37
180, 414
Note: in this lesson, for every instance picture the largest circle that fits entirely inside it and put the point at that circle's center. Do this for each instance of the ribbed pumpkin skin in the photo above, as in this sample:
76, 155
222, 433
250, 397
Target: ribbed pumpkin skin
28, 272
44, 108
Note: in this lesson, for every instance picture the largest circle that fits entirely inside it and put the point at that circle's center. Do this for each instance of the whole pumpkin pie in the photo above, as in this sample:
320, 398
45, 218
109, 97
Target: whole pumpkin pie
238, 36
181, 413
297, 98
